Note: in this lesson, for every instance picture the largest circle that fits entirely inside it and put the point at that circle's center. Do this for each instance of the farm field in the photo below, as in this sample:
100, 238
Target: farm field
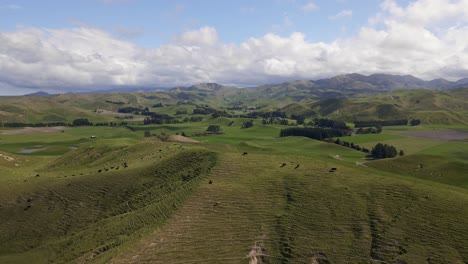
234, 132
242, 196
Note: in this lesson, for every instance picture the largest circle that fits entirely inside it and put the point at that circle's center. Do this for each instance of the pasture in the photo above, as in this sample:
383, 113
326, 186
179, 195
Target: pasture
242, 196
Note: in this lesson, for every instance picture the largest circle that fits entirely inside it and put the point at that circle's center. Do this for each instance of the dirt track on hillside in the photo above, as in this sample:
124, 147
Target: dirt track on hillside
32, 130
177, 138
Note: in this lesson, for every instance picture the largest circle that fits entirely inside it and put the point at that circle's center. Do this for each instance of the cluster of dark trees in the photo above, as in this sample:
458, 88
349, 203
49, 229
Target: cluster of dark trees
76, 122
247, 124
277, 117
374, 123
81, 122
221, 114
300, 119
275, 120
266, 115
117, 103
130, 109
349, 145
193, 119
204, 111
382, 151
329, 123
51, 124
159, 119
369, 130
111, 124
214, 129
313, 132
415, 122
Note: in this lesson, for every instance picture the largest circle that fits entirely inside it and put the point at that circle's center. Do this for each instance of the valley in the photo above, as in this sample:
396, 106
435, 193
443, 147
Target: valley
169, 190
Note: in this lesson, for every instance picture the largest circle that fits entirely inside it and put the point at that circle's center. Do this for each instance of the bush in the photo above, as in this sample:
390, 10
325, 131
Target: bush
383, 151
81, 122
247, 124
214, 128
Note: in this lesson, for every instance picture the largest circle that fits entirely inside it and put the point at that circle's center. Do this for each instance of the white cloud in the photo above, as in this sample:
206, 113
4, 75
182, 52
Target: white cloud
403, 40
11, 6
309, 6
342, 14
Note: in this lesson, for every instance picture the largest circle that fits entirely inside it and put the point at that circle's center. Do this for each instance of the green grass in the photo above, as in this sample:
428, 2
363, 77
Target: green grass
86, 215
86, 206
58, 143
294, 214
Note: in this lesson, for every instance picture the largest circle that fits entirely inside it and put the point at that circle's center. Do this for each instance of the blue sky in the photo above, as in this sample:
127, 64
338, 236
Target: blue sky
61, 46
152, 23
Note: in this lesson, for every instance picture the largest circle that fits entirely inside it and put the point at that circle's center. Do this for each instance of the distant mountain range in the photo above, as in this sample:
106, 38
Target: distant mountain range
341, 85
385, 82
40, 93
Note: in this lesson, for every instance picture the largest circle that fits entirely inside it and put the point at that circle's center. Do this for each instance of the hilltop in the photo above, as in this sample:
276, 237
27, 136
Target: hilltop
200, 174
299, 98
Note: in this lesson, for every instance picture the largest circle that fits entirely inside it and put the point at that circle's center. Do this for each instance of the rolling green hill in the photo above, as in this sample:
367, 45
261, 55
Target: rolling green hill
301, 97
132, 194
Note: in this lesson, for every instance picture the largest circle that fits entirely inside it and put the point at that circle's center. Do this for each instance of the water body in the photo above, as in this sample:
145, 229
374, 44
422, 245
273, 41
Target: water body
29, 150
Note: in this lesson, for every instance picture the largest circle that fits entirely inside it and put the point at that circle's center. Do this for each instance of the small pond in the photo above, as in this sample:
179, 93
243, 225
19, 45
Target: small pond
29, 150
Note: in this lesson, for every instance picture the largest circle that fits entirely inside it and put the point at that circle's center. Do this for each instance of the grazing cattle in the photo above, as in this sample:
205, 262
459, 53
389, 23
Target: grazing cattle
125, 165
282, 165
297, 166
210, 182
244, 154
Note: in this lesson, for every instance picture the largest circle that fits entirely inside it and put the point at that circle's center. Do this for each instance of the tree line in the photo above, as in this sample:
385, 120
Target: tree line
379, 151
398, 122
313, 132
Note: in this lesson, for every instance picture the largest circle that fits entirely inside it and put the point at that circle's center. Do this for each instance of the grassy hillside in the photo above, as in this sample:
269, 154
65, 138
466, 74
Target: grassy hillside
432, 107
292, 215
72, 213
241, 196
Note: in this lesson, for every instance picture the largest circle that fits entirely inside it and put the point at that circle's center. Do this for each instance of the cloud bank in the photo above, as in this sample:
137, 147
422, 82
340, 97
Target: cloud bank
427, 38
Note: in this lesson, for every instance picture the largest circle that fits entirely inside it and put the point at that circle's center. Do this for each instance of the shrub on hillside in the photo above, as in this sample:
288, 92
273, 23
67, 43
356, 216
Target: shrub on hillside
382, 151
214, 128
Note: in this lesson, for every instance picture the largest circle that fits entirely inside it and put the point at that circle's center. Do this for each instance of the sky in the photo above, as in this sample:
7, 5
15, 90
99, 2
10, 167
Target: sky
76, 46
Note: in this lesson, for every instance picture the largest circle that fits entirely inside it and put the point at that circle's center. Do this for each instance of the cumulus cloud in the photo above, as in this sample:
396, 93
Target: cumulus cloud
10, 6
309, 6
402, 40
342, 14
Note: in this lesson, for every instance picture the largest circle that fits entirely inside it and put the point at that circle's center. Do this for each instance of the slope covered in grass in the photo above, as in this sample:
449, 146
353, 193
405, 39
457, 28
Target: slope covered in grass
257, 208
78, 217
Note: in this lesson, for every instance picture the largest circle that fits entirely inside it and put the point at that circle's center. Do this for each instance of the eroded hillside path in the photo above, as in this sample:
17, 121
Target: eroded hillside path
261, 208
221, 221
